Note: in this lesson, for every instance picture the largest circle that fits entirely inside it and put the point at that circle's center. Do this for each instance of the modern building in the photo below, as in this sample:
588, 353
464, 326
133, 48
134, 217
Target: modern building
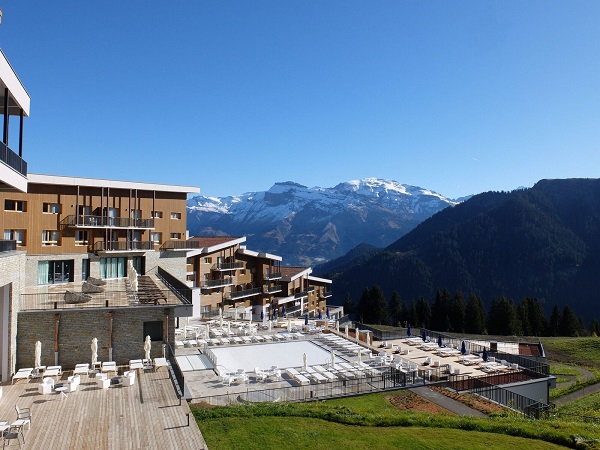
59, 232
233, 278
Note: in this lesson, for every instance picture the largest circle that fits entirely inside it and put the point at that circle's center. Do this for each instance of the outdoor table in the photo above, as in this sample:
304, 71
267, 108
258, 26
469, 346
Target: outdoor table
61, 388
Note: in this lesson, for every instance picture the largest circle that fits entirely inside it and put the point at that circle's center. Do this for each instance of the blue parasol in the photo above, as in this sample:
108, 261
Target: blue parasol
485, 355
409, 331
306, 319
440, 342
320, 314
262, 315
424, 335
275, 314
463, 348
283, 310
327, 313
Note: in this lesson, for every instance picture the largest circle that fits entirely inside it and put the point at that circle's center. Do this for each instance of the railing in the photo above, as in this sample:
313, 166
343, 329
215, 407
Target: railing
8, 246
529, 407
177, 287
272, 289
228, 266
523, 361
326, 294
304, 293
388, 379
122, 246
105, 222
241, 294
272, 275
11, 159
177, 372
217, 283
181, 245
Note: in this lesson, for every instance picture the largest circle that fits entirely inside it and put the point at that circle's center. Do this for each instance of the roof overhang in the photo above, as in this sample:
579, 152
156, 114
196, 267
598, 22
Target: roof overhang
19, 98
302, 273
98, 182
319, 280
216, 247
245, 251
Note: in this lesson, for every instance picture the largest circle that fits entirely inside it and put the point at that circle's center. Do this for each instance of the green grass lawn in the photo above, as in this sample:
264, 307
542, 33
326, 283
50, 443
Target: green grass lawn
339, 421
280, 433
587, 406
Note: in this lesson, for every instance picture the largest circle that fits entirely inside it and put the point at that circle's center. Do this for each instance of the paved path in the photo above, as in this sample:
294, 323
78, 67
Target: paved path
578, 394
445, 402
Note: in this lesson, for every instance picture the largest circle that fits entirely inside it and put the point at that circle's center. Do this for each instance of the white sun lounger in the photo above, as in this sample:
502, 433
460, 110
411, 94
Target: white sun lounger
268, 338
53, 371
237, 340
109, 366
247, 339
81, 369
22, 374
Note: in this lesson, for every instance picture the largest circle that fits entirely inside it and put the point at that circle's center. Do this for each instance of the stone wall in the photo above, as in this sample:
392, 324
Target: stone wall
12, 268
31, 267
77, 328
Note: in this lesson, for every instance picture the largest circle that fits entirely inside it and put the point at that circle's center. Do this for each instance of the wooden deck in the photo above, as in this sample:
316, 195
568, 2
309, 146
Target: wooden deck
145, 415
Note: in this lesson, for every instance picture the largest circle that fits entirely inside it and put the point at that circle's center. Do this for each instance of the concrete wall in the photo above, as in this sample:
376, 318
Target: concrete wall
12, 268
535, 389
77, 328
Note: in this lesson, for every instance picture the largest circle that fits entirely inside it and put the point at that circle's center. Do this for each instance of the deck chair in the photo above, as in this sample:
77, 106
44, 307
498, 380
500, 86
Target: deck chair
23, 414
22, 374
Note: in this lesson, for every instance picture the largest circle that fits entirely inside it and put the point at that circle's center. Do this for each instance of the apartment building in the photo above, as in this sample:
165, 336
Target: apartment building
59, 231
233, 277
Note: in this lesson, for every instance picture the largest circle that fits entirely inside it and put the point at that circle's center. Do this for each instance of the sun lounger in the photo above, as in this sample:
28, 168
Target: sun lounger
237, 340
22, 374
135, 364
247, 339
81, 369
317, 377
224, 341
160, 362
109, 366
53, 371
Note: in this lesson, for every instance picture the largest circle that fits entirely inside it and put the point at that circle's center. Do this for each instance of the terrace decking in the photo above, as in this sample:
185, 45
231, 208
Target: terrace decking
145, 415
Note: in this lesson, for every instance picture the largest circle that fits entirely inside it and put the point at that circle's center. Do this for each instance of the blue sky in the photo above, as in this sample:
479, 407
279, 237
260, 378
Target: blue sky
458, 97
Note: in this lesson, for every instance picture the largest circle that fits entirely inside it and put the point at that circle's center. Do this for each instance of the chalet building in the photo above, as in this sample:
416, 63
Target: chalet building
232, 277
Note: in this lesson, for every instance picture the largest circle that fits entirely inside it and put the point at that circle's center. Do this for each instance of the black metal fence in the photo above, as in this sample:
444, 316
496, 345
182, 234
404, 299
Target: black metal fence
8, 246
388, 379
179, 288
481, 386
383, 335
179, 378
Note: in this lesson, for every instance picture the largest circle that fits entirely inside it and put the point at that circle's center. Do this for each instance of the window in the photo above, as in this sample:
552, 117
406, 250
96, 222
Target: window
153, 329
51, 208
139, 264
208, 260
15, 205
84, 210
85, 269
205, 309
50, 237
113, 267
243, 272
82, 237
136, 213
175, 235
156, 237
136, 236
50, 272
176, 215
157, 214
15, 235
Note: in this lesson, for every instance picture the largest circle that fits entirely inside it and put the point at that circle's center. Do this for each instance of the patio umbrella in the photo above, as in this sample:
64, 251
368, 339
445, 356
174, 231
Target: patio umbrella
485, 355
94, 348
346, 330
147, 346
440, 342
359, 355
463, 348
305, 319
262, 316
270, 325
409, 331
357, 334
229, 328
38, 354
337, 326
274, 314
283, 310
327, 313
332, 358
320, 315
221, 322
289, 325
424, 336
304, 358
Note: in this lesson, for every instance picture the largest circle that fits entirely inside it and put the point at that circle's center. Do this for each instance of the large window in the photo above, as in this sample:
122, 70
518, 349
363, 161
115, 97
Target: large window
82, 237
85, 269
50, 272
139, 264
156, 237
15, 205
50, 237
15, 235
153, 329
51, 208
136, 213
113, 267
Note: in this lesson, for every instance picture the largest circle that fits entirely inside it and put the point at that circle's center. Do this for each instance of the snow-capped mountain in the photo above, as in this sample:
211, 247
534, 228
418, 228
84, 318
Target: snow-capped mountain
307, 226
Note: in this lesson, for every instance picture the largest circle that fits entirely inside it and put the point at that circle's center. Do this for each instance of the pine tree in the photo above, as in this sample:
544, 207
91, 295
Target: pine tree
457, 313
569, 324
502, 317
349, 307
423, 312
364, 305
474, 315
396, 310
379, 307
412, 317
555, 321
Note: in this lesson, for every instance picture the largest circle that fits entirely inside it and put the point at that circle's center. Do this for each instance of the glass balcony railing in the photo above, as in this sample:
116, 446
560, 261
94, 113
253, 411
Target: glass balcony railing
241, 294
217, 283
106, 222
122, 246
8, 246
228, 266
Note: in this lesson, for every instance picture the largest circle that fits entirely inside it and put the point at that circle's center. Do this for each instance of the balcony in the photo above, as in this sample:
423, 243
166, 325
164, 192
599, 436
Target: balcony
272, 289
181, 245
83, 221
12, 160
232, 296
210, 284
272, 275
304, 293
219, 267
326, 294
123, 246
8, 246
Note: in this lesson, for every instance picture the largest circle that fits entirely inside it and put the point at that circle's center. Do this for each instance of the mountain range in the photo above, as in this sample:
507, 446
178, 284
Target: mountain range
307, 226
541, 242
